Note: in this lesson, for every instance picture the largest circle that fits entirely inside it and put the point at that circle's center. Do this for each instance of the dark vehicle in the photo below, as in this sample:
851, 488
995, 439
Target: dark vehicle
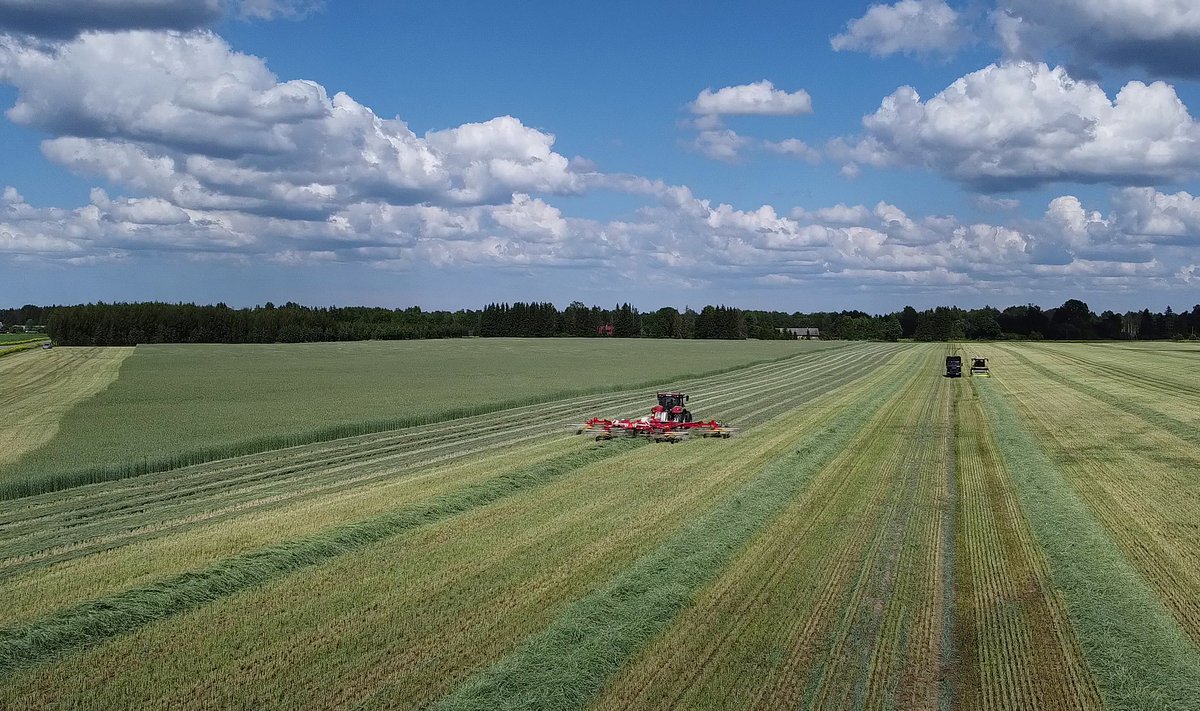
953, 366
671, 405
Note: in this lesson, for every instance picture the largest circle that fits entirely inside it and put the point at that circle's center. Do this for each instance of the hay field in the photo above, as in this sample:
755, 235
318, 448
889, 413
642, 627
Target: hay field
875, 536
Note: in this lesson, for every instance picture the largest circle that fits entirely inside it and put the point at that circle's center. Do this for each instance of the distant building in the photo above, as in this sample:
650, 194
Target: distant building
804, 334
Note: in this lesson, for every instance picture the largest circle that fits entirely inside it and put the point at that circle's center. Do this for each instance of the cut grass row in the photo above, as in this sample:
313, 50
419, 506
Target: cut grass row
58, 528
1136, 476
836, 604
13, 349
170, 547
95, 621
1134, 384
408, 618
1139, 655
179, 405
1015, 645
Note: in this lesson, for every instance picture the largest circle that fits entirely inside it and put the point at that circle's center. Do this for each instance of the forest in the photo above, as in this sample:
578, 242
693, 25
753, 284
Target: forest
121, 324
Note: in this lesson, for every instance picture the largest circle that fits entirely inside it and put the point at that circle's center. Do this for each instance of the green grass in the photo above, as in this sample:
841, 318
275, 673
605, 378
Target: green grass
52, 529
1140, 656
10, 349
97, 620
567, 664
174, 406
11, 339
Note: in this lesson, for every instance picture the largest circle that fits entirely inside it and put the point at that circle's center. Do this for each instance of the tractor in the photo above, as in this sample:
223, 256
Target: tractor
953, 366
668, 421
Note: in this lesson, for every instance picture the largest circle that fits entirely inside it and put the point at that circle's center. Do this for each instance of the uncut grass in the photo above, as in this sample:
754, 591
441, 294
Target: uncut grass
1139, 655
12, 339
1015, 644
816, 383
37, 389
758, 636
179, 404
419, 611
568, 662
1137, 479
105, 572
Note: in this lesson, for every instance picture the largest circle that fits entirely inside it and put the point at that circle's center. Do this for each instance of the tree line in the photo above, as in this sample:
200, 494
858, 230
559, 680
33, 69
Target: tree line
156, 322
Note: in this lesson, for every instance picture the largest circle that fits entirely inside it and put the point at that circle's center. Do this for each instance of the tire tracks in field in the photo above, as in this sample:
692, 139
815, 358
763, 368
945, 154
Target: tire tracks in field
43, 539
568, 662
1137, 651
1184, 430
74, 478
195, 478
92, 622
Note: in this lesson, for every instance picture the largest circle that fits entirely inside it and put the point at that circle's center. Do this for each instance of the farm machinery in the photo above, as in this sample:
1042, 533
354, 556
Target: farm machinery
953, 366
979, 368
668, 421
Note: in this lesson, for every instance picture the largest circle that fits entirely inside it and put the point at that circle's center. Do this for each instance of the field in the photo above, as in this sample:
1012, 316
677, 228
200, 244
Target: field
175, 405
876, 536
9, 339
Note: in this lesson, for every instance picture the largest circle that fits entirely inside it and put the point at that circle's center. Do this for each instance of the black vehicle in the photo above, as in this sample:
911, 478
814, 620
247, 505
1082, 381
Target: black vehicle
672, 406
953, 366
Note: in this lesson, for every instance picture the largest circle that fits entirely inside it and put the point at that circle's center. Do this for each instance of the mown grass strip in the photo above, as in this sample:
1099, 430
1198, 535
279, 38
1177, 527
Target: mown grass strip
1139, 655
1179, 428
566, 665
23, 346
92, 622
57, 481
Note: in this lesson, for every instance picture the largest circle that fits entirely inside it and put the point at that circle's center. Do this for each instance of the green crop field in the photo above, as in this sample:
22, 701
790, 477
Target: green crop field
334, 526
176, 404
8, 339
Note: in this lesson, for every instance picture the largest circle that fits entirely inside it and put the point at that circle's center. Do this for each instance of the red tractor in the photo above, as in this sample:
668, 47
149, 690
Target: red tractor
668, 421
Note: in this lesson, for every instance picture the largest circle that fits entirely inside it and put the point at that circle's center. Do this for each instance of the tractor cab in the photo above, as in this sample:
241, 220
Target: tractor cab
671, 408
979, 366
953, 366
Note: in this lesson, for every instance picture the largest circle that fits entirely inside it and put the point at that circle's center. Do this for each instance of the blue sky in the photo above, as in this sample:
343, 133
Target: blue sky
797, 156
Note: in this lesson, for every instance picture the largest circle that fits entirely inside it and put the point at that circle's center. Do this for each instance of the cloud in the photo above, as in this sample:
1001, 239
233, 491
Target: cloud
760, 98
1019, 125
63, 19
676, 238
989, 203
184, 118
721, 144
1147, 213
794, 148
276, 9
918, 27
1158, 35
222, 160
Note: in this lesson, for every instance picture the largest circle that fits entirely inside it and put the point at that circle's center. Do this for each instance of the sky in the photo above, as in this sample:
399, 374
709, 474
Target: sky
779, 155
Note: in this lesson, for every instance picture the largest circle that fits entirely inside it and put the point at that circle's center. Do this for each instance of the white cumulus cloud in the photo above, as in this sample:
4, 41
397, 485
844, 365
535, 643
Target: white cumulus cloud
185, 118
909, 26
760, 98
1023, 124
